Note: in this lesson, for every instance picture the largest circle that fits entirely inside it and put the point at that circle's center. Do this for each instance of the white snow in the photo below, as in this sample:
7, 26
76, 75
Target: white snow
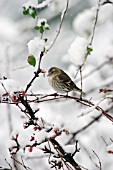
35, 46
41, 20
83, 22
10, 86
33, 3
77, 51
8, 29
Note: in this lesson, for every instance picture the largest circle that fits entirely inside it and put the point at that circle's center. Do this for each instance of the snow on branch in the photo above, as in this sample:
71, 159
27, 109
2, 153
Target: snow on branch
34, 4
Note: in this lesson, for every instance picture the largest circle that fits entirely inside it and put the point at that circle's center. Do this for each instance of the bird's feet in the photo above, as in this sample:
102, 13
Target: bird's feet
55, 95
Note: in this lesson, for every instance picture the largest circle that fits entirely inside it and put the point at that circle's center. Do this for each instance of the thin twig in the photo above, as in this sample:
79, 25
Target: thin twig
109, 61
91, 158
95, 23
93, 33
104, 141
36, 73
21, 163
8, 165
71, 140
100, 165
61, 22
82, 101
81, 81
107, 2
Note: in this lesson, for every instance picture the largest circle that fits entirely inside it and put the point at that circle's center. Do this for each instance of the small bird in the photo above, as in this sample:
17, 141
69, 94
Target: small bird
61, 82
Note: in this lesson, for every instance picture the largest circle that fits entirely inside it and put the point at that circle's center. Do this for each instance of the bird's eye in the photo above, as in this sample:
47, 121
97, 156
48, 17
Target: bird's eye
52, 71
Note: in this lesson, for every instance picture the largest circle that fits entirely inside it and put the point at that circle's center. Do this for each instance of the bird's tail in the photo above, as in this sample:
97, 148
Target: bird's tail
79, 90
83, 93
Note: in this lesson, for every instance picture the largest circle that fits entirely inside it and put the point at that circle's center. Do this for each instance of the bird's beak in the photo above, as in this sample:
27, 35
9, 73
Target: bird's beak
48, 74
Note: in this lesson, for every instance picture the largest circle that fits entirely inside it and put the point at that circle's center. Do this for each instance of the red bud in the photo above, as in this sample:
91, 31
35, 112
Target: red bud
30, 149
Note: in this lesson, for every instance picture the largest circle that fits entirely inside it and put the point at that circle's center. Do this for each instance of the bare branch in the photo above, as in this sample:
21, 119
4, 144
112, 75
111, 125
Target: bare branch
71, 140
21, 163
27, 106
10, 167
61, 22
100, 165
68, 157
108, 61
107, 2
36, 73
95, 22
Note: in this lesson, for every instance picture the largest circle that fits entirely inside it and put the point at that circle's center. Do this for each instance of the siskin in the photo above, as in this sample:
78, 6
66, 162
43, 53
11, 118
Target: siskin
61, 82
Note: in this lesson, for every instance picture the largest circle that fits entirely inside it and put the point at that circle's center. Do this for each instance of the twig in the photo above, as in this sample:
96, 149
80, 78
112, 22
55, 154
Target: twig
81, 101
68, 157
93, 33
86, 126
21, 163
104, 141
95, 23
36, 73
50, 153
81, 81
90, 157
10, 167
71, 140
59, 96
107, 1
100, 165
61, 22
27, 106
109, 61
76, 148
111, 139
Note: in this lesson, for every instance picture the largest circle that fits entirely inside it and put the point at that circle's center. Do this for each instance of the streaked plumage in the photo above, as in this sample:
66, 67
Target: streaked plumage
61, 82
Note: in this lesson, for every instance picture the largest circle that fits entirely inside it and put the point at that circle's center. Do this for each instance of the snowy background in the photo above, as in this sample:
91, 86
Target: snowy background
16, 31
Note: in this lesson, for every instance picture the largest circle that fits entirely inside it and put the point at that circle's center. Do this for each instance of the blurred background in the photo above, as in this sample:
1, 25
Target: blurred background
16, 31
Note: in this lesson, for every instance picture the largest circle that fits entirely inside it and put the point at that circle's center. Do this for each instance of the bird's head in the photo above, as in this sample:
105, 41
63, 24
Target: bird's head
53, 71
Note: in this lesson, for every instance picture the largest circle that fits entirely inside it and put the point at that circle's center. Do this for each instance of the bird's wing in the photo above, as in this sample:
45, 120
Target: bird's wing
64, 78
